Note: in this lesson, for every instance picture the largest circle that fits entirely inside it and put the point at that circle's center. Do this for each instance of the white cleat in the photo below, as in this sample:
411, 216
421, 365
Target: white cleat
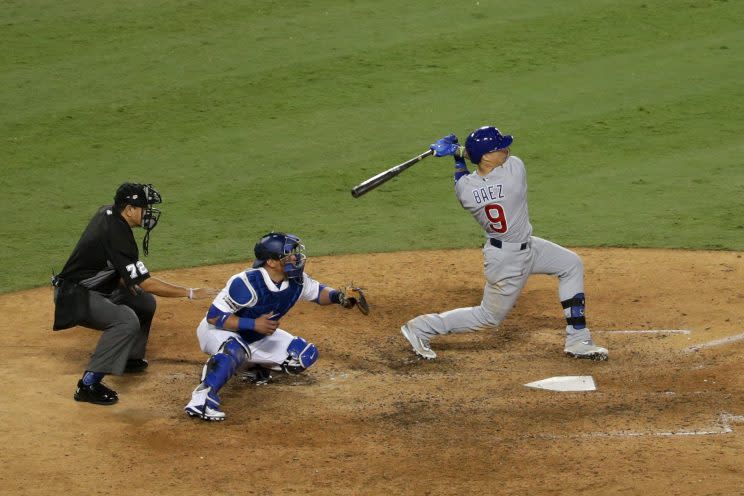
586, 349
420, 346
205, 404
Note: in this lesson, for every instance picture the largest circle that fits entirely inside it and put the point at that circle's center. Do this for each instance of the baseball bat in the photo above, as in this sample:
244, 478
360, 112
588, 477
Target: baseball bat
385, 176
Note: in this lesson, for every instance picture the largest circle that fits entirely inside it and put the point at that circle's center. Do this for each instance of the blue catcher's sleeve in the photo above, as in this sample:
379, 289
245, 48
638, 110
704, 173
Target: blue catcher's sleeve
221, 316
321, 287
333, 295
244, 323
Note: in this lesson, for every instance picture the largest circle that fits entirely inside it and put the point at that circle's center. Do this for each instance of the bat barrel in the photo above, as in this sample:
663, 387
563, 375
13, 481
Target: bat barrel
387, 175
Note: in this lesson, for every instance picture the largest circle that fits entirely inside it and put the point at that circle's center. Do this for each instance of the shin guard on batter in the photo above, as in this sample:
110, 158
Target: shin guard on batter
223, 364
573, 309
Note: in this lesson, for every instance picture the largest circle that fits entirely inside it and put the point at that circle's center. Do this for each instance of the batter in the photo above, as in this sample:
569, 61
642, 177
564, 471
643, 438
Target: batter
496, 196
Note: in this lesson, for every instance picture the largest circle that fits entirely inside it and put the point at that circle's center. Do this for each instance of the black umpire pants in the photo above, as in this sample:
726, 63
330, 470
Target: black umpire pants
125, 319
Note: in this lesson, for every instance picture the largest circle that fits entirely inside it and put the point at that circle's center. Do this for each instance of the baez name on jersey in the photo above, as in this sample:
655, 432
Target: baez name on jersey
492, 192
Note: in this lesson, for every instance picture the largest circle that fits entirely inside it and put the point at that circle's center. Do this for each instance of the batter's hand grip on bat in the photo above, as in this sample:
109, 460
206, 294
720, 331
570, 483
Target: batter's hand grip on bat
385, 176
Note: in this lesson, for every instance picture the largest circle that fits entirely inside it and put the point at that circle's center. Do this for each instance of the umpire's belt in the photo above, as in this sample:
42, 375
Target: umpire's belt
508, 246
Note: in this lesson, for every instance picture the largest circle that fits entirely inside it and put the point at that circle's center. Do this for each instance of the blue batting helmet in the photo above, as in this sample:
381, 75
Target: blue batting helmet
279, 246
485, 140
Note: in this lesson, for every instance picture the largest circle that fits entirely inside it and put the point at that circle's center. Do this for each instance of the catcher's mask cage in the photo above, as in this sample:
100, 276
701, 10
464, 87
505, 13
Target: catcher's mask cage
143, 196
484, 140
284, 247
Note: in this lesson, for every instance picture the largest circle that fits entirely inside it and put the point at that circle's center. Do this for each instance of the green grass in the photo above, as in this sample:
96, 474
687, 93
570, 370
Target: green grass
251, 116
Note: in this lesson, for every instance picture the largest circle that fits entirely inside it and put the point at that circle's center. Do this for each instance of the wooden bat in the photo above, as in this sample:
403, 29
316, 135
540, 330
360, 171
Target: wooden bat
385, 176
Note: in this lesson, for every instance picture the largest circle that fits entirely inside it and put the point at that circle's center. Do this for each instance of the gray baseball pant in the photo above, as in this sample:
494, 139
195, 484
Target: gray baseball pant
125, 319
506, 273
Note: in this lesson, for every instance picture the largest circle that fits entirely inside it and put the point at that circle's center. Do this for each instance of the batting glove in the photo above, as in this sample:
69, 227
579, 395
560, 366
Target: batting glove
445, 146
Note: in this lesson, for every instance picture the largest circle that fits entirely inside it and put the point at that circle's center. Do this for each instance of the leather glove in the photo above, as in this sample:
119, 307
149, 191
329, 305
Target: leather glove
350, 297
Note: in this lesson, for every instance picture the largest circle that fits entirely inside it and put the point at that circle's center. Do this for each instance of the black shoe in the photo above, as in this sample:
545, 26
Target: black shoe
96, 393
135, 365
257, 375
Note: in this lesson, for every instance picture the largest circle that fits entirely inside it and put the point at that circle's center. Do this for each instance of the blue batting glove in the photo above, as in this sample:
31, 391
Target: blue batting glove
445, 146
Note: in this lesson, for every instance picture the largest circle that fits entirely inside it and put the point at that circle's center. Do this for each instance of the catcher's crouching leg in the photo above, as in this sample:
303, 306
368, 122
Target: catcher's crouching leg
205, 403
300, 356
223, 364
257, 375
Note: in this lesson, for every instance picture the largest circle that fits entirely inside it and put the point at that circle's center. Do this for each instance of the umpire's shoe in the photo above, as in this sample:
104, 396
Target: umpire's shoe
96, 393
258, 376
135, 365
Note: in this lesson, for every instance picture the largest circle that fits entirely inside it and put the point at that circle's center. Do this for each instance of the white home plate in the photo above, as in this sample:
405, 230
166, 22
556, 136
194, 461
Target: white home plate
565, 383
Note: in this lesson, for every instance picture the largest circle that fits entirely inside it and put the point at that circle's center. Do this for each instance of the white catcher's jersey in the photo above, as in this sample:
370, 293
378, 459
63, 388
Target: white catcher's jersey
498, 202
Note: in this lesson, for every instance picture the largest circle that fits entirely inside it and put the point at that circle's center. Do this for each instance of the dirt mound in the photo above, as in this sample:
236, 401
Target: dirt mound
369, 418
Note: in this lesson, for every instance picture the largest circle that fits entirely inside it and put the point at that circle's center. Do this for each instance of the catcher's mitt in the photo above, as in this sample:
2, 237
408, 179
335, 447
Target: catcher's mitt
352, 296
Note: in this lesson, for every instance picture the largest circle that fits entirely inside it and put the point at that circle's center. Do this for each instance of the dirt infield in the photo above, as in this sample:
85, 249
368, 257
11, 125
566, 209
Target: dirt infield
369, 418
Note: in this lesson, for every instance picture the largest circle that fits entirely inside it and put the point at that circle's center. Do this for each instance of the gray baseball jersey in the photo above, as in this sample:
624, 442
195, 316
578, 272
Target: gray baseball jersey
498, 201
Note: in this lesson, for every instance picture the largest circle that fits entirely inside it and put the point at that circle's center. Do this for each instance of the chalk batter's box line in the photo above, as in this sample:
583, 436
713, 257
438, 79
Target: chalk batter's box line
637, 331
725, 421
715, 342
646, 331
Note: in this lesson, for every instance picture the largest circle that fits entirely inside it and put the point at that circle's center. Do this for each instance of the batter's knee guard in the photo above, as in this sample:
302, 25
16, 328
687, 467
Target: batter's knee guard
300, 356
223, 364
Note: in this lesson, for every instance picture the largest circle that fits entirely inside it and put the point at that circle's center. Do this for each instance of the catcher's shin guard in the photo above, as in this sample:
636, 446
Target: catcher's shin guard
223, 364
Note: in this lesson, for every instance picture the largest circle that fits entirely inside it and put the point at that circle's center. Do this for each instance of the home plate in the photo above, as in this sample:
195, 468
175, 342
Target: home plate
565, 383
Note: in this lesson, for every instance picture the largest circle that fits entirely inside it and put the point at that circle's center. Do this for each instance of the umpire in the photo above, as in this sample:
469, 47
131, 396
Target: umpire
105, 286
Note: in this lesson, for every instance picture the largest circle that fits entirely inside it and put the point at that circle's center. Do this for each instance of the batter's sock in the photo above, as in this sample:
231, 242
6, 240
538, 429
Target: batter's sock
92, 377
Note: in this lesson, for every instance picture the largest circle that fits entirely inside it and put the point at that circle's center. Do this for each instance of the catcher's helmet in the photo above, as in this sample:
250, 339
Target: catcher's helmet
485, 140
280, 246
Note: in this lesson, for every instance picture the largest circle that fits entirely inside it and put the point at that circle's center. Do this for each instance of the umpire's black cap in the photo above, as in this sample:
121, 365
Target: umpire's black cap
138, 195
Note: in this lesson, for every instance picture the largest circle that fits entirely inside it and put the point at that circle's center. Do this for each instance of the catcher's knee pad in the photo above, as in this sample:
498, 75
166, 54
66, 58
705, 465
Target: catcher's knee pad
300, 356
235, 348
573, 308
223, 364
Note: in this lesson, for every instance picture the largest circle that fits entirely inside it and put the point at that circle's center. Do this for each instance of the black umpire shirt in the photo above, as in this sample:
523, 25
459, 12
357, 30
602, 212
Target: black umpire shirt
105, 254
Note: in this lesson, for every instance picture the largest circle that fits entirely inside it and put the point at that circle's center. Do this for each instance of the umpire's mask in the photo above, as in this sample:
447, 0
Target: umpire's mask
143, 196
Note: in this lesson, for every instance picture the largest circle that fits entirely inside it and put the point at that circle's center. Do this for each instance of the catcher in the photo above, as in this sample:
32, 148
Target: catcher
241, 329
